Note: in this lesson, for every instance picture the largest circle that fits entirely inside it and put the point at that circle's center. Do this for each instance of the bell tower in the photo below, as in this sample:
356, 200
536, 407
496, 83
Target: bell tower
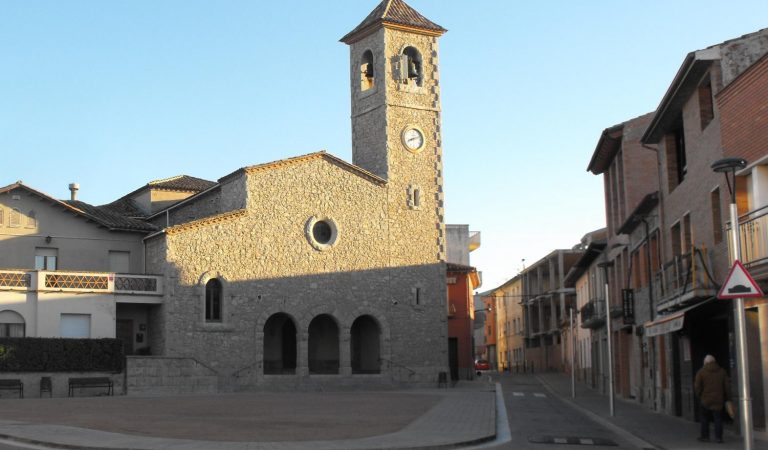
395, 95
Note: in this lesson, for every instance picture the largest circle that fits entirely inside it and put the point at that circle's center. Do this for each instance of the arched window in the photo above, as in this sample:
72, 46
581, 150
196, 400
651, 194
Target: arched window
279, 345
411, 69
11, 324
365, 350
366, 71
15, 218
323, 345
213, 304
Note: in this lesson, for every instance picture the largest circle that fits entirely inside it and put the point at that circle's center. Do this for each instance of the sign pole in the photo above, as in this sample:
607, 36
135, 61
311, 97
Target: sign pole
745, 401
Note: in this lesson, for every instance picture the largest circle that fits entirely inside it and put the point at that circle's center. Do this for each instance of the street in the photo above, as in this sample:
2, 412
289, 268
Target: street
540, 420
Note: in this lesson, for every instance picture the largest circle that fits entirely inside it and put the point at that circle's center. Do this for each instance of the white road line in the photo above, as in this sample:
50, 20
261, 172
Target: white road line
540, 395
519, 394
586, 441
560, 440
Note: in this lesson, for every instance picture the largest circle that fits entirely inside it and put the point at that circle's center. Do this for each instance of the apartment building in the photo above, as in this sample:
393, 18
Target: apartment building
545, 302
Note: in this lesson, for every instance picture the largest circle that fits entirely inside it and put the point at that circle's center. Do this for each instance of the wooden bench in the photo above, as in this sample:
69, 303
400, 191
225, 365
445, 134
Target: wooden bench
90, 382
13, 385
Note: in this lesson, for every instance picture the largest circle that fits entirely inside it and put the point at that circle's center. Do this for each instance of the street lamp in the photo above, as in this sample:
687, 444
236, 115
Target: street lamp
728, 167
611, 405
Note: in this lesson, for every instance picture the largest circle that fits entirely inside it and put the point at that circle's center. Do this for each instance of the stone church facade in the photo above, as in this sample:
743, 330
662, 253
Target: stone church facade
311, 269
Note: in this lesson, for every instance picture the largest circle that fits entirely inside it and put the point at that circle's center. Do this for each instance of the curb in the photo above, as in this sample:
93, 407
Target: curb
631, 437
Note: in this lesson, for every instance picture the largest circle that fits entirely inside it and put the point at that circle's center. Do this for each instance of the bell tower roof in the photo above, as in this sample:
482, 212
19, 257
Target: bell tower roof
393, 14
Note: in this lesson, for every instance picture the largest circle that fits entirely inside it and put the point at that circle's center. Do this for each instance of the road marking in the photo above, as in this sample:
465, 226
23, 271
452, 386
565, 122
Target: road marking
586, 441
519, 394
540, 395
560, 440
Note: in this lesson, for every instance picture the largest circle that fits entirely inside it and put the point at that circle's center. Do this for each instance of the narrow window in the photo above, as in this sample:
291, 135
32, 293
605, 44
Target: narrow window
717, 217
366, 71
677, 247
213, 300
15, 218
677, 165
706, 105
2, 217
687, 234
417, 296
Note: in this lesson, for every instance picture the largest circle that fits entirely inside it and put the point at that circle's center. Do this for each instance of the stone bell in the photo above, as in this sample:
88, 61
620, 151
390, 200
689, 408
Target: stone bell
368, 71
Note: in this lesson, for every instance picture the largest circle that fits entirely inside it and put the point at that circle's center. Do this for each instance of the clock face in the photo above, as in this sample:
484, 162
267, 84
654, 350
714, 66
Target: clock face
413, 138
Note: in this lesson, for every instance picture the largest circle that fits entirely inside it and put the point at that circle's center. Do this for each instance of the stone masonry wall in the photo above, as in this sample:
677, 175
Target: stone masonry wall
267, 265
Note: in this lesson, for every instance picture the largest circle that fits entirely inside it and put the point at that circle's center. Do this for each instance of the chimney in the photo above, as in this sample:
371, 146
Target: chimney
73, 188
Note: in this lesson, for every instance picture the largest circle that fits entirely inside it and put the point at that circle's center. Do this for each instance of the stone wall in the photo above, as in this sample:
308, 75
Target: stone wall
151, 375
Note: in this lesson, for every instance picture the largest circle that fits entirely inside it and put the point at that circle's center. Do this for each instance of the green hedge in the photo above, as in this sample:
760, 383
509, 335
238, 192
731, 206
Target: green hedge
61, 355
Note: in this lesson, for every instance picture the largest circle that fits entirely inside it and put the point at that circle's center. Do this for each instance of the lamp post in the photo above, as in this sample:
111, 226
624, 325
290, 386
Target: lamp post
728, 167
611, 404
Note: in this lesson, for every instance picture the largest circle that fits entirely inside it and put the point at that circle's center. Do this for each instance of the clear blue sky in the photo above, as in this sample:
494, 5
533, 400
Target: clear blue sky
113, 94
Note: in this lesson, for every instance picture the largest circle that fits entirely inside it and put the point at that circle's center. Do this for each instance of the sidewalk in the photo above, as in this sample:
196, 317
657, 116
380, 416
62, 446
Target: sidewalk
418, 419
661, 430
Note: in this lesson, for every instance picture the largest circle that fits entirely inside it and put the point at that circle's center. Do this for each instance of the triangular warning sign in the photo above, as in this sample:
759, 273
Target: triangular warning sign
739, 284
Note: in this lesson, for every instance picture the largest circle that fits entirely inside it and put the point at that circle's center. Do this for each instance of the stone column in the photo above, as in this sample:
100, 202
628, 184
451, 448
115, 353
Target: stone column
345, 357
302, 356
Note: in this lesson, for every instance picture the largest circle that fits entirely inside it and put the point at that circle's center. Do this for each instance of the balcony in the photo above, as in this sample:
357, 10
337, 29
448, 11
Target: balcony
474, 240
753, 233
592, 314
82, 282
683, 281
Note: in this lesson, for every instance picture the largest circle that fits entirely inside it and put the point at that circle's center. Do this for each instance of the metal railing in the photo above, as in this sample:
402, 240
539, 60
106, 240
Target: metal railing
753, 232
683, 278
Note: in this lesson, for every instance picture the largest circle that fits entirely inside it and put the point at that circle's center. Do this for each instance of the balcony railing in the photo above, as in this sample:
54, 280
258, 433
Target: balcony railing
753, 232
592, 314
683, 280
80, 282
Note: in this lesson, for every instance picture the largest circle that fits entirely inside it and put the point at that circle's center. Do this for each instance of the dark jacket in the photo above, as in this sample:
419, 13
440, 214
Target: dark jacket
712, 386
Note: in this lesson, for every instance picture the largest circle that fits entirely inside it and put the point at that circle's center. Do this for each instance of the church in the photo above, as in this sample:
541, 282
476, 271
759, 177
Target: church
304, 271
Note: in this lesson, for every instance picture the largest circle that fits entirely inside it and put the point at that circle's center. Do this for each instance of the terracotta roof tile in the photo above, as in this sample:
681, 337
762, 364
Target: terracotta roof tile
109, 219
395, 12
181, 183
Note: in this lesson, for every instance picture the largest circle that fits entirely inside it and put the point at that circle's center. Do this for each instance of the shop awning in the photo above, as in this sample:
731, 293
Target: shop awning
670, 322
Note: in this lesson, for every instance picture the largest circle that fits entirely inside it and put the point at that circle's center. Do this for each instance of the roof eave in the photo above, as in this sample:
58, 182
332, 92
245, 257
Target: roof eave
606, 149
645, 206
357, 35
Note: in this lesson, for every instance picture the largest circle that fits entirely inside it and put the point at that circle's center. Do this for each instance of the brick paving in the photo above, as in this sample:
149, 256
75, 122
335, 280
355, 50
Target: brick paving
435, 418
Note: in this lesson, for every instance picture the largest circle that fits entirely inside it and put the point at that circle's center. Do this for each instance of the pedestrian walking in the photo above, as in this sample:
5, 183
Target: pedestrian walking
713, 388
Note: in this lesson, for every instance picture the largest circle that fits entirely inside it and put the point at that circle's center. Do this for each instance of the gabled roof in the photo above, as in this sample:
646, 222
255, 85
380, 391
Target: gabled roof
593, 250
694, 66
126, 206
101, 216
606, 149
393, 14
359, 171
